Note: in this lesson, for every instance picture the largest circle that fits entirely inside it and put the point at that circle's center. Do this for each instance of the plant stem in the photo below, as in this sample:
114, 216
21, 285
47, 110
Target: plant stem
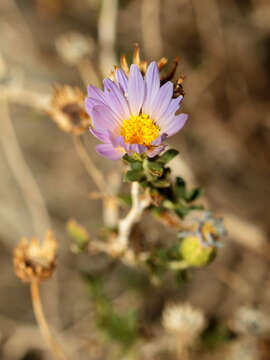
42, 322
90, 167
134, 215
179, 265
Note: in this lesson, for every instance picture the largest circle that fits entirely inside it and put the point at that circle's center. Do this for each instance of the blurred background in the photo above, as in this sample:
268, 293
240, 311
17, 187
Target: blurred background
224, 52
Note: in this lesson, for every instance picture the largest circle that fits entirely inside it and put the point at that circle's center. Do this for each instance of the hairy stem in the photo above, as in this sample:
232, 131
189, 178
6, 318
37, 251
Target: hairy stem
42, 322
134, 215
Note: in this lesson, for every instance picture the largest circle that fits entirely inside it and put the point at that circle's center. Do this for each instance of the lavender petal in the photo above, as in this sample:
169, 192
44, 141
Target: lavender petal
122, 80
103, 118
152, 85
136, 88
176, 124
169, 113
96, 93
101, 135
162, 101
90, 103
116, 99
159, 140
109, 152
155, 150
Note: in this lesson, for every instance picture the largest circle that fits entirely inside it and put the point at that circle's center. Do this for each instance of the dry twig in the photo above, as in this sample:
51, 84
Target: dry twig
42, 322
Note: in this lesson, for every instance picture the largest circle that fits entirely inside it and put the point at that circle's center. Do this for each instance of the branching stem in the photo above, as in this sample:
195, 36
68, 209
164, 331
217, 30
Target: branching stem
134, 215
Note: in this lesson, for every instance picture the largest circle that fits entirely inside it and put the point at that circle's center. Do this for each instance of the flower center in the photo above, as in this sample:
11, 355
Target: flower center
207, 228
139, 129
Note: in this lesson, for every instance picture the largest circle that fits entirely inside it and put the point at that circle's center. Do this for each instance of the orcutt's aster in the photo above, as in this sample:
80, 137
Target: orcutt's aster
134, 114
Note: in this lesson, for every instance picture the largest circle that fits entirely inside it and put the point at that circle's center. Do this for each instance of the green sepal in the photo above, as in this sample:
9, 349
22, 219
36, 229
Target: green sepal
134, 157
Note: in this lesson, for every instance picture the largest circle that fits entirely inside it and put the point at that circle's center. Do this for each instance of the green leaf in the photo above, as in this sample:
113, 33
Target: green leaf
120, 328
181, 210
95, 285
193, 194
162, 183
169, 204
125, 199
152, 169
196, 207
127, 158
167, 156
133, 175
180, 187
216, 334
136, 165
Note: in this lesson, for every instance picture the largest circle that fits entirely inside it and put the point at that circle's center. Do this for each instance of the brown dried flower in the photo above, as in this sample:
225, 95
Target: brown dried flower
35, 261
142, 65
67, 110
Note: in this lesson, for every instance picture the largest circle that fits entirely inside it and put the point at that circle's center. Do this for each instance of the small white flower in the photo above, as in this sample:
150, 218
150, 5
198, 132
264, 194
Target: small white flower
183, 319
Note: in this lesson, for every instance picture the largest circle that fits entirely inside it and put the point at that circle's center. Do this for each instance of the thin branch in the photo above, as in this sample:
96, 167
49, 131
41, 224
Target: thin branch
90, 167
22, 173
119, 246
89, 73
151, 34
42, 322
107, 23
16, 93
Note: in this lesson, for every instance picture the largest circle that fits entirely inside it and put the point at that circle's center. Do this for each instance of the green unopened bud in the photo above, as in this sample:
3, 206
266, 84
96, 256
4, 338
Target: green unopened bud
79, 234
195, 253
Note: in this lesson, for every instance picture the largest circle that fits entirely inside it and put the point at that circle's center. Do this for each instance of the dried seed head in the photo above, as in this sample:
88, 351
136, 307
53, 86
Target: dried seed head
35, 261
67, 110
73, 46
184, 320
142, 65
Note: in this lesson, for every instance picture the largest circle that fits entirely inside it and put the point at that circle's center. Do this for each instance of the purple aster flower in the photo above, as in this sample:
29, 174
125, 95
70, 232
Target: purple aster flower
133, 114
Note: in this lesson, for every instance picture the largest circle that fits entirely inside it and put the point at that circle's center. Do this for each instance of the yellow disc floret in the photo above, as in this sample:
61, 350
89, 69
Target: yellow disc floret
139, 129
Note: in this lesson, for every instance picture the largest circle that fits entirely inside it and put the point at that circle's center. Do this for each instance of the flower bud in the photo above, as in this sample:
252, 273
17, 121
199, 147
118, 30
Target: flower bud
195, 253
